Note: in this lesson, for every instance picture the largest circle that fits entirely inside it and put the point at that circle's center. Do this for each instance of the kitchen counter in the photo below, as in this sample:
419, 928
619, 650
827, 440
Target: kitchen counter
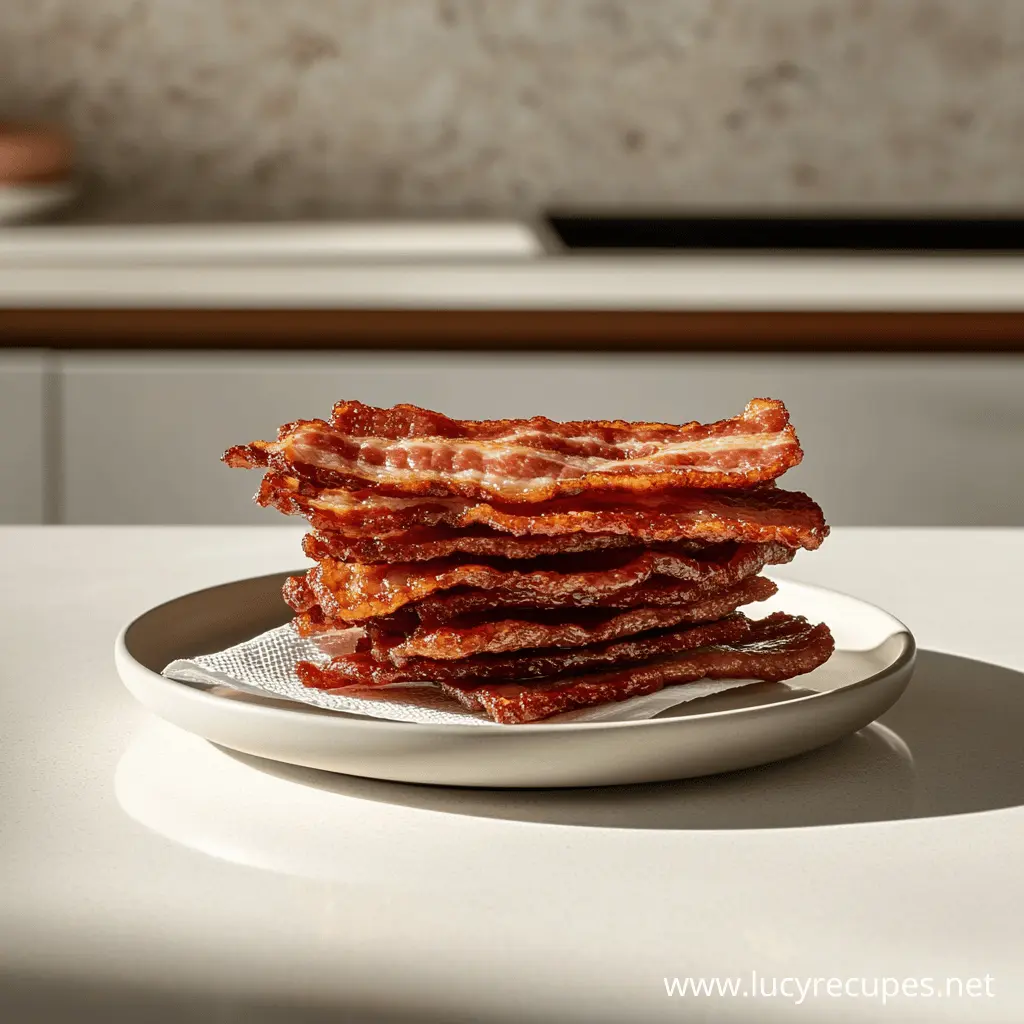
149, 875
483, 285
544, 282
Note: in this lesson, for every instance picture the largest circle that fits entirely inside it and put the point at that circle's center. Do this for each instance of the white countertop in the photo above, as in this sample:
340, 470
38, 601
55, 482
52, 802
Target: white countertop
463, 266
142, 867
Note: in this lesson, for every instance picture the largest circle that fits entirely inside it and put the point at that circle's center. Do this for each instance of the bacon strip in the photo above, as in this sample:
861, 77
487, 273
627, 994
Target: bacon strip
759, 516
364, 669
406, 450
466, 608
353, 591
776, 648
491, 635
658, 593
425, 543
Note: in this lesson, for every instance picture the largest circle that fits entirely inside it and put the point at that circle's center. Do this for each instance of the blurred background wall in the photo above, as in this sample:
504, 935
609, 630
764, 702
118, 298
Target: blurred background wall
239, 108
136, 438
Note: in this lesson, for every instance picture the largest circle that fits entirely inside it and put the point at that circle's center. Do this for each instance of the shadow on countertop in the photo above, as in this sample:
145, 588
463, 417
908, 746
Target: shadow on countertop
43, 999
951, 745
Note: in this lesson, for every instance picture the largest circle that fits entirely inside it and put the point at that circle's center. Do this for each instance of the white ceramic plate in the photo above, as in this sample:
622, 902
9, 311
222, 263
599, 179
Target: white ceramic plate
754, 725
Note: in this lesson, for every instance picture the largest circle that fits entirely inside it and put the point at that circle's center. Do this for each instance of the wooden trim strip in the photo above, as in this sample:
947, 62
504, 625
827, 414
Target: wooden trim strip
490, 330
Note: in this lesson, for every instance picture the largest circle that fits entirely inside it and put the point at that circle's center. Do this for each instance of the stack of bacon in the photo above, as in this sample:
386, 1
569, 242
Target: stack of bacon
529, 567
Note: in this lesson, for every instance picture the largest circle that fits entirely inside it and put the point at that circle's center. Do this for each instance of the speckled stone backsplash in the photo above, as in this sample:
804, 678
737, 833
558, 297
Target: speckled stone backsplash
312, 108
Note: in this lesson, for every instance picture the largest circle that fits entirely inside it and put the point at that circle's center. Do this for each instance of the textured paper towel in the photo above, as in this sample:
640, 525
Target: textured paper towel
265, 665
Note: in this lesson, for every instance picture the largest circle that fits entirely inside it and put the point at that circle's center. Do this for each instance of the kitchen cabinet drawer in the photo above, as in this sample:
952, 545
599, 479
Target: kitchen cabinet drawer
22, 457
888, 440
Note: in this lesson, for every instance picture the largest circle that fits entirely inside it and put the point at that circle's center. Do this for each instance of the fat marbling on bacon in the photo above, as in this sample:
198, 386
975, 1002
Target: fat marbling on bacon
406, 450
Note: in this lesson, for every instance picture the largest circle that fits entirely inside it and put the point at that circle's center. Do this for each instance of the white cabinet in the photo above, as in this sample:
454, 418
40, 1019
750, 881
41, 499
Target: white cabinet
23, 450
889, 440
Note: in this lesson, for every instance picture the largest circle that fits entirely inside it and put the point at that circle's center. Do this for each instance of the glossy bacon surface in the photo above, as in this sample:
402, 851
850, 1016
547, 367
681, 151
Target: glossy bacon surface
363, 669
497, 632
757, 516
656, 593
355, 591
411, 451
424, 543
776, 648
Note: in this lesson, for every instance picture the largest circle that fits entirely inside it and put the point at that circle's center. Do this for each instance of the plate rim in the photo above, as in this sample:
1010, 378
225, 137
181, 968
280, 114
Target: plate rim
124, 658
